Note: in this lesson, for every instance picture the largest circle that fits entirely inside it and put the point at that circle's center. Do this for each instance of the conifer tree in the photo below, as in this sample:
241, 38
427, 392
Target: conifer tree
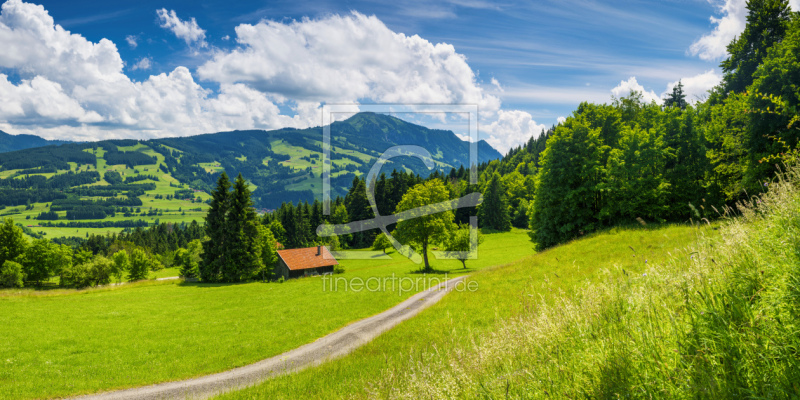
676, 98
242, 249
493, 211
216, 221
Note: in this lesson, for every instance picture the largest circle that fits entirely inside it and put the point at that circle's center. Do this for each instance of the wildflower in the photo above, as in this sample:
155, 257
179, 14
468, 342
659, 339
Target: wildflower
644, 274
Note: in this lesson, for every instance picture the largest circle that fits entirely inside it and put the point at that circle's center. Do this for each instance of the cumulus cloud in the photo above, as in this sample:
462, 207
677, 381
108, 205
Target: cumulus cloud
696, 87
71, 88
625, 87
143, 64
512, 128
39, 98
132, 41
561, 120
188, 30
344, 59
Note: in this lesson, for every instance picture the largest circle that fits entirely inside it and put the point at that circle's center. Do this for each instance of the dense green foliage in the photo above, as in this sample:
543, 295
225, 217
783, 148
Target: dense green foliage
612, 164
11, 275
493, 212
239, 247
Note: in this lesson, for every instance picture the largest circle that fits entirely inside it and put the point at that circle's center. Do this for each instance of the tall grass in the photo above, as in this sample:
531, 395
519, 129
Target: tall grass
720, 320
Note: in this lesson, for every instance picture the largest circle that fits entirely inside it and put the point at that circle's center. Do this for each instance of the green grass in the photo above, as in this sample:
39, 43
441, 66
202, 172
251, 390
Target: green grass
164, 273
462, 319
73, 342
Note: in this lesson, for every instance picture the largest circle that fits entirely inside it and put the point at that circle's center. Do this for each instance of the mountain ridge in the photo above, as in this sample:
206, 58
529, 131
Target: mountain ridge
9, 142
283, 165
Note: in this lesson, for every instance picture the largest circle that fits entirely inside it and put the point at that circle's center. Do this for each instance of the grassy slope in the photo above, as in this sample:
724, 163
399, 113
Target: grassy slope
174, 210
65, 342
461, 318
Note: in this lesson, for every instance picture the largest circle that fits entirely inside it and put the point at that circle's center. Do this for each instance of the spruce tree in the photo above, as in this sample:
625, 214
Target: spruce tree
493, 212
242, 249
214, 248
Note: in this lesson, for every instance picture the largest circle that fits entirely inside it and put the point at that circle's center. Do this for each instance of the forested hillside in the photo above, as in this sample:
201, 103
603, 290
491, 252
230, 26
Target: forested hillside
282, 165
21, 142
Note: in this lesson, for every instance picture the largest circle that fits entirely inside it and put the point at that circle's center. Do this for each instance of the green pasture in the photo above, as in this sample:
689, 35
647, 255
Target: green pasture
75, 342
377, 370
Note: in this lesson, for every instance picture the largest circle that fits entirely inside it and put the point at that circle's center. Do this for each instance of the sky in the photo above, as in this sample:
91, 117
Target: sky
92, 70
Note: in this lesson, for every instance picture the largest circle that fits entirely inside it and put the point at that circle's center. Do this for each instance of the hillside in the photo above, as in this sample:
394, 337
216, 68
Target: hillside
76, 189
21, 142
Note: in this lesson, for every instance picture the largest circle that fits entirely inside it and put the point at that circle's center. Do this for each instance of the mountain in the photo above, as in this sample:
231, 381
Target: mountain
282, 165
20, 142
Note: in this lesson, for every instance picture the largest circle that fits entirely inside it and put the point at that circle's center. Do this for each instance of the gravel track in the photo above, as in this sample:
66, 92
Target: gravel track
334, 345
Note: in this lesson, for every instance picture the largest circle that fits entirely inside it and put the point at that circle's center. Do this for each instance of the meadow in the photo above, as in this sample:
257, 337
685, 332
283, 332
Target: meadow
392, 365
64, 342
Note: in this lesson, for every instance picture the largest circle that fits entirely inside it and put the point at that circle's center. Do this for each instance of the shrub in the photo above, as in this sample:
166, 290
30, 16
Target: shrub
139, 265
11, 274
76, 275
100, 271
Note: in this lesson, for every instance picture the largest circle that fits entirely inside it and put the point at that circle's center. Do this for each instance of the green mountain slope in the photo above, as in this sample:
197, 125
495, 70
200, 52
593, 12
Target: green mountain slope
20, 142
115, 184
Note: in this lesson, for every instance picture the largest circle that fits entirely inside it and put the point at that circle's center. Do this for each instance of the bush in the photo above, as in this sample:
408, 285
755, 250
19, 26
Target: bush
76, 275
11, 274
100, 271
139, 266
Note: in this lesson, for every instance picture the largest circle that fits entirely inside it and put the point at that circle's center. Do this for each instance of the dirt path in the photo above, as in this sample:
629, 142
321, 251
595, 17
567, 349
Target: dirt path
334, 345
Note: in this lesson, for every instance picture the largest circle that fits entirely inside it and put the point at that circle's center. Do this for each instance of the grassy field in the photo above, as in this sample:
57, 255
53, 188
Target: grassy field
66, 342
462, 320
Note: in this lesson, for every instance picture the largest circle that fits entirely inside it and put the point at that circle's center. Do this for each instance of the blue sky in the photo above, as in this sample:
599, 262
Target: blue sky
164, 68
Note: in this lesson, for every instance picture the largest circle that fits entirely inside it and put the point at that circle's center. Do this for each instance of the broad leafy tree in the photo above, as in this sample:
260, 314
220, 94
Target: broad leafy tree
12, 241
568, 197
460, 241
420, 231
381, 243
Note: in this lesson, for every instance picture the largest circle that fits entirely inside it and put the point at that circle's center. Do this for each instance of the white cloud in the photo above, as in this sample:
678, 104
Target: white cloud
511, 128
713, 45
131, 39
625, 87
40, 98
226, 37
71, 88
345, 59
143, 64
561, 120
187, 30
696, 87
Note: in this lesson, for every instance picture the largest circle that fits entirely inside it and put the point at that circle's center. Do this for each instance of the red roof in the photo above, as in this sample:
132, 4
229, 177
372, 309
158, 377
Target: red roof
297, 259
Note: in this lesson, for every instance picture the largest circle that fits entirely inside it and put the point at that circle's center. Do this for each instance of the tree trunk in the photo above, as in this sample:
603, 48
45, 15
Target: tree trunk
425, 254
